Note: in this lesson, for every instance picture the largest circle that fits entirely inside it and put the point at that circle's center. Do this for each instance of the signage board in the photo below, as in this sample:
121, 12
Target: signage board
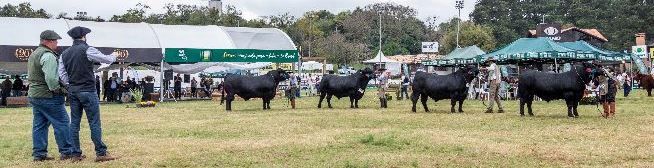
429, 47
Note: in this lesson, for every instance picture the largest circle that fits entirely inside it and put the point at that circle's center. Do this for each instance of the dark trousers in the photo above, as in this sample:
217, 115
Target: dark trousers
111, 95
627, 89
178, 93
194, 92
4, 94
86, 102
404, 92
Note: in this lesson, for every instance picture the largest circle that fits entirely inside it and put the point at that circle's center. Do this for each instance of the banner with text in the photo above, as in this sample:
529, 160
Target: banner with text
189, 55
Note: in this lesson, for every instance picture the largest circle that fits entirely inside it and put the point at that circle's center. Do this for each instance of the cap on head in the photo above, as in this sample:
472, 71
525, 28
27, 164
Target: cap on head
50, 35
78, 32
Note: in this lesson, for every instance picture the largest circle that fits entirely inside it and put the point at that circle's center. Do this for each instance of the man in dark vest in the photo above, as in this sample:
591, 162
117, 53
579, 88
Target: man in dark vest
47, 98
76, 70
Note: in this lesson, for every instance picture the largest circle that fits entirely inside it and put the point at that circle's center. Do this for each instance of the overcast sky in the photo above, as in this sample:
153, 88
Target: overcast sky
251, 9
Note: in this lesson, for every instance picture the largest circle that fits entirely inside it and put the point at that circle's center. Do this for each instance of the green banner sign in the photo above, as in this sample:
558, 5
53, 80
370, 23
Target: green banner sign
189, 55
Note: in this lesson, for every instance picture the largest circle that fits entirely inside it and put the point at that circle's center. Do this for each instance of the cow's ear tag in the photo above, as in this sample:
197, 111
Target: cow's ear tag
361, 90
588, 70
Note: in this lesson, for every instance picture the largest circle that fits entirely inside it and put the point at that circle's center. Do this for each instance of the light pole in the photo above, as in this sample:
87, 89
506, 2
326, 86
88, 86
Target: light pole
458, 6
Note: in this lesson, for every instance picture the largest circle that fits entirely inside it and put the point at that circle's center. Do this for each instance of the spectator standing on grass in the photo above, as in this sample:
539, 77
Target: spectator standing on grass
76, 70
46, 96
17, 87
194, 88
177, 87
5, 91
405, 87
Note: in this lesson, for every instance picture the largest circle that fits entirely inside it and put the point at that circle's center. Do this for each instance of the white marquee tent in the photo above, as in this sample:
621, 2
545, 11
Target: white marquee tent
142, 42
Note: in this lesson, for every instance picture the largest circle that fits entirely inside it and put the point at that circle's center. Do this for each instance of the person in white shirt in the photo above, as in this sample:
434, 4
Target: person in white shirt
494, 80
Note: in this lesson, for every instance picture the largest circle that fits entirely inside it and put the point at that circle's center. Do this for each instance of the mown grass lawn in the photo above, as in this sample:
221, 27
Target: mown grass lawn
202, 134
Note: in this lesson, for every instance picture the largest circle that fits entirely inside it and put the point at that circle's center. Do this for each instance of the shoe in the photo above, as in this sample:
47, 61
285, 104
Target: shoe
489, 111
78, 158
105, 158
500, 111
44, 158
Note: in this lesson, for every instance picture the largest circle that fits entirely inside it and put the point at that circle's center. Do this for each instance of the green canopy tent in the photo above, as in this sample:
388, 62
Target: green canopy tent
459, 56
536, 50
602, 55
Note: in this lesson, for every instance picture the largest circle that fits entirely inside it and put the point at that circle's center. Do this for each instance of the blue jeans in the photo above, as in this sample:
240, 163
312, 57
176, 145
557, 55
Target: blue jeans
88, 102
50, 111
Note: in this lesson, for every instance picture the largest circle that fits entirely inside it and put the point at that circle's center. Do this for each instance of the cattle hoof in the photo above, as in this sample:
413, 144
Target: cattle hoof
460, 111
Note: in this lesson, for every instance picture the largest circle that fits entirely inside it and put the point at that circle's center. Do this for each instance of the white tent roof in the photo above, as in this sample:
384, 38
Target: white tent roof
184, 36
26, 31
380, 58
259, 38
117, 35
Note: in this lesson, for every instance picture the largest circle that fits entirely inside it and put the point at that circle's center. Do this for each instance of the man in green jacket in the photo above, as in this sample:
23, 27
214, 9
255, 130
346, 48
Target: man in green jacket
47, 98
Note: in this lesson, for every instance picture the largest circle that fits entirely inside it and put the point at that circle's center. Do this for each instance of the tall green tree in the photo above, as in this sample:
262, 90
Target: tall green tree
470, 34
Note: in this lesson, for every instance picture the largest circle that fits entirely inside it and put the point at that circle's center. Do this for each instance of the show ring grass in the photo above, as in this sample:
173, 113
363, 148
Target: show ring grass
202, 134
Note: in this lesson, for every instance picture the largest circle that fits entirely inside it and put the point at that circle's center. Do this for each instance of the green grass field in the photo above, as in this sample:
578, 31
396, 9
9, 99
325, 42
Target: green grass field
202, 134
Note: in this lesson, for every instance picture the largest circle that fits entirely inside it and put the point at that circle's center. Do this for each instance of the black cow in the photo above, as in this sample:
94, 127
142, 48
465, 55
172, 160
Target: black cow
439, 87
248, 87
569, 86
352, 86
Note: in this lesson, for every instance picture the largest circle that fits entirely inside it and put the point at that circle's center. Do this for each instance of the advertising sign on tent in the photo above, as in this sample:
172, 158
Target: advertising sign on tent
429, 47
21, 53
639, 50
651, 52
187, 55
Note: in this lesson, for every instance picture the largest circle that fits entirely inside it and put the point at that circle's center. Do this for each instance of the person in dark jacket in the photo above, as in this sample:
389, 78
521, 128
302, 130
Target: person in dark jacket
6, 91
177, 87
76, 71
17, 89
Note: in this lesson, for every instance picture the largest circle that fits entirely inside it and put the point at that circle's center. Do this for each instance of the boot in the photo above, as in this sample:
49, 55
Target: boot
605, 106
385, 103
612, 111
381, 102
293, 103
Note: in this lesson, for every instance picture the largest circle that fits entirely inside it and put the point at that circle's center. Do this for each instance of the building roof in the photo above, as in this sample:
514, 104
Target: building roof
414, 59
591, 32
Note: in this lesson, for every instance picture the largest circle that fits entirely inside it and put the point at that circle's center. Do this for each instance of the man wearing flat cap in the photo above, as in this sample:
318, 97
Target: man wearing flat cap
47, 99
494, 80
76, 71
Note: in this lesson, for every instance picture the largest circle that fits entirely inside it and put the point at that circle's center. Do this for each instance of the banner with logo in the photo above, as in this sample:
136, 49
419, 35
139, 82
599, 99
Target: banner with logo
187, 55
137, 55
549, 30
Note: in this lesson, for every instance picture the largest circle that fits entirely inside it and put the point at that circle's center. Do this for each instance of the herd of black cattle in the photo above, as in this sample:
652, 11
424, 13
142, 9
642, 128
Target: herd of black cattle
568, 86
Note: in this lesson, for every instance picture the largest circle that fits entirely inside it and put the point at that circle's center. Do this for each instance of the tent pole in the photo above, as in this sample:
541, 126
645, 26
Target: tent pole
161, 81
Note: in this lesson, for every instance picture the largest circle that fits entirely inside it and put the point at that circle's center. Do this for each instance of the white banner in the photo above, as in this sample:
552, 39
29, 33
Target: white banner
640, 51
429, 47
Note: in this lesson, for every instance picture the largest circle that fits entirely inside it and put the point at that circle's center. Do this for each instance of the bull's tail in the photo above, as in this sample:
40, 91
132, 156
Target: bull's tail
222, 96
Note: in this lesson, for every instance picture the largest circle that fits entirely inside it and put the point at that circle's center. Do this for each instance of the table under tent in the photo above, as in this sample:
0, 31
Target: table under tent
187, 49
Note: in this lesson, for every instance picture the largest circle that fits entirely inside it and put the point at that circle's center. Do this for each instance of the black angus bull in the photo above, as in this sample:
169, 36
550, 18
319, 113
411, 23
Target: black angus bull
569, 86
248, 87
439, 87
352, 86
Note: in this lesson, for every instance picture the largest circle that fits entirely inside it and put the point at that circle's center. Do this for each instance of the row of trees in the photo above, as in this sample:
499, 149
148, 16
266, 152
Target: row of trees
618, 20
352, 36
